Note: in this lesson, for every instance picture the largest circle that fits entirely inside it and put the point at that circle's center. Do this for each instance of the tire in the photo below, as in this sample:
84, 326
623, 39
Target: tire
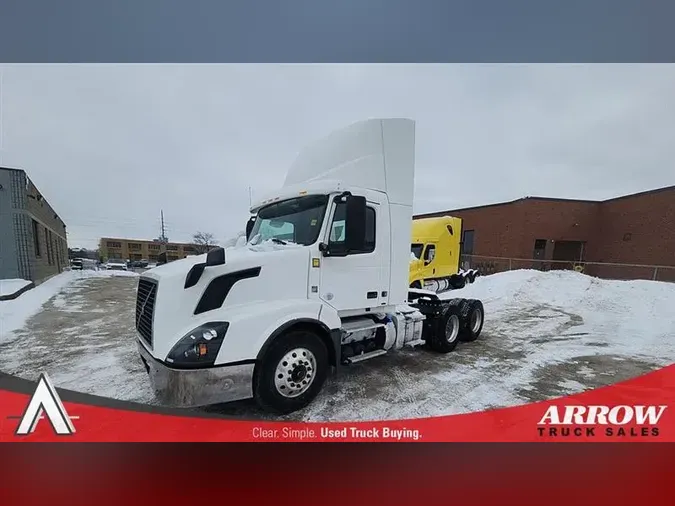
473, 317
444, 335
417, 285
457, 281
310, 364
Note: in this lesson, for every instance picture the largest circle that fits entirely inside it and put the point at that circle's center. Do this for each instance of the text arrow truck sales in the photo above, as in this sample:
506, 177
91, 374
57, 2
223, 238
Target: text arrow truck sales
590, 421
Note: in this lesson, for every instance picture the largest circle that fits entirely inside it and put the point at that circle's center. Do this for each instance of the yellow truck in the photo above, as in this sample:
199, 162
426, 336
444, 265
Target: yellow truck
435, 255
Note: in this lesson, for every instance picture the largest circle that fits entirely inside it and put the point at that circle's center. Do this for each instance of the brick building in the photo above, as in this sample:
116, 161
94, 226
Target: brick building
633, 229
33, 244
136, 249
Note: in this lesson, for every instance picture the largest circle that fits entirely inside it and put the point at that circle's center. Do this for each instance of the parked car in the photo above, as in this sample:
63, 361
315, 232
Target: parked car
116, 265
76, 264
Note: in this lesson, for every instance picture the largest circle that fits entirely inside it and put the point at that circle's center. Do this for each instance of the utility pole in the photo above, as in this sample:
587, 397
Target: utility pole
162, 236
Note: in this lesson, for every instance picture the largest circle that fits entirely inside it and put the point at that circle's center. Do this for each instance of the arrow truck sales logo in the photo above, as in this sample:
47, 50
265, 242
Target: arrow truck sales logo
45, 400
607, 421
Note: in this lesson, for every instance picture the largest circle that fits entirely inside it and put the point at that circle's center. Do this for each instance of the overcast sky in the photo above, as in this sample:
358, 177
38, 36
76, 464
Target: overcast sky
110, 146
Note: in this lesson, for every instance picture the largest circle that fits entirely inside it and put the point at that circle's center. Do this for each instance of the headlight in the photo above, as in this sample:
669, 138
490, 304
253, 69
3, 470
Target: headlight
198, 348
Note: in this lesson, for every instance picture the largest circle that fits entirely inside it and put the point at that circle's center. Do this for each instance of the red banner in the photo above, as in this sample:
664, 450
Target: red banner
640, 409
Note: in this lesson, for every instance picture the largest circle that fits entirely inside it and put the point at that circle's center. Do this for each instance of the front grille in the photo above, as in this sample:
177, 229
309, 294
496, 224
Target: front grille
145, 308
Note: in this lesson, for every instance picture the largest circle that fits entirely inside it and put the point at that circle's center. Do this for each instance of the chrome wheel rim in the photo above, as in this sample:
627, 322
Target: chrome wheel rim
295, 372
452, 328
476, 320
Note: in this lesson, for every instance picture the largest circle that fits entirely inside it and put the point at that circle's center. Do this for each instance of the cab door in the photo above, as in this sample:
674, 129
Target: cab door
429, 259
355, 281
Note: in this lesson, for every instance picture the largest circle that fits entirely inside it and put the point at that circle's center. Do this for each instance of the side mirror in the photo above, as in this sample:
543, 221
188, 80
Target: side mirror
215, 257
249, 227
355, 223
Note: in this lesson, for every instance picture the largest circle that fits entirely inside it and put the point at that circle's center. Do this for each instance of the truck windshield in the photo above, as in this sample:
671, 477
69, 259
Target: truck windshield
416, 249
296, 220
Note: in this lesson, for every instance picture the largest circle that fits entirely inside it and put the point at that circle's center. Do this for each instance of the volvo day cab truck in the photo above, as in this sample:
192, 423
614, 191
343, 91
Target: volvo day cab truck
320, 283
435, 255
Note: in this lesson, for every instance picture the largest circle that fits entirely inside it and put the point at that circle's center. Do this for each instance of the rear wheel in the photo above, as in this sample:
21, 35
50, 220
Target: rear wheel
445, 334
473, 317
291, 373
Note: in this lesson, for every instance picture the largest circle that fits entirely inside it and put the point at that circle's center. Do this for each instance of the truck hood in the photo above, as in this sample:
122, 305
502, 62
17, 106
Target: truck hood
261, 274
236, 258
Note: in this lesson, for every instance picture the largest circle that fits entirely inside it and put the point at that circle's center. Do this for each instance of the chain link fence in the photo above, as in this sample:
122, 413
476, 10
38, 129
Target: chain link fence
491, 265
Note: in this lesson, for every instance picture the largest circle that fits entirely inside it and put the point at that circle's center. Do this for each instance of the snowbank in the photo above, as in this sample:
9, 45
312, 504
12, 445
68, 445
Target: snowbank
103, 273
631, 317
11, 286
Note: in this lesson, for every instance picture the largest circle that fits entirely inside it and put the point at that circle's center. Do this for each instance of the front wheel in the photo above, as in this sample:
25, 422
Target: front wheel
291, 373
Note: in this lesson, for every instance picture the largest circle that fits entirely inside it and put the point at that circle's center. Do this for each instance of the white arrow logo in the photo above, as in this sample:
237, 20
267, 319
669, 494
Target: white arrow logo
46, 400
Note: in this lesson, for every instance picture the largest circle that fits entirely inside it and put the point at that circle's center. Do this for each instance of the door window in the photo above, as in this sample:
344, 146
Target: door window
429, 254
337, 231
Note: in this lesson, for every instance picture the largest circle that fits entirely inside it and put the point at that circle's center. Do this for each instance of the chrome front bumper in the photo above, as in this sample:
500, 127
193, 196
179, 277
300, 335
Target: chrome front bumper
198, 387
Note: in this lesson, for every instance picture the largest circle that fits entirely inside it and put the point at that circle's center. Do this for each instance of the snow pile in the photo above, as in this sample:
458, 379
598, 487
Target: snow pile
270, 245
232, 242
11, 286
629, 317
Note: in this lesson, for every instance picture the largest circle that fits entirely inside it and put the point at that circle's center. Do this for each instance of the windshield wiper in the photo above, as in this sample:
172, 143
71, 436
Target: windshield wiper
278, 241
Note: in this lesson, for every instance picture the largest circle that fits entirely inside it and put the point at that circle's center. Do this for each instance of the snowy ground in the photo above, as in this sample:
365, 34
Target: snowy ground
545, 335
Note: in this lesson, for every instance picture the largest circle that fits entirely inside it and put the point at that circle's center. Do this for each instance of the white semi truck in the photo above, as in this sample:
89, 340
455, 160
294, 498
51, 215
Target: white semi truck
321, 283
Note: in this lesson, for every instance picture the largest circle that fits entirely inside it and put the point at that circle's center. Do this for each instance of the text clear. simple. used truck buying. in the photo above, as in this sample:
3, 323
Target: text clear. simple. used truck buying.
321, 283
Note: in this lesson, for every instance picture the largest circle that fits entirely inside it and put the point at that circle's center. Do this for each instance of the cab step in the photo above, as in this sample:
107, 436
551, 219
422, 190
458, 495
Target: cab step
365, 356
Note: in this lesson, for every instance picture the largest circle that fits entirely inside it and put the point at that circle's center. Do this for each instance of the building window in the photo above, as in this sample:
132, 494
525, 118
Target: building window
188, 249
153, 258
114, 244
50, 247
135, 246
154, 247
171, 247
36, 238
467, 243
337, 232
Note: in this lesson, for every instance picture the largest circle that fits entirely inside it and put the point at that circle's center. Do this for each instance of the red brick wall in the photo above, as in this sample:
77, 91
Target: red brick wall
650, 221
497, 229
509, 230
556, 221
